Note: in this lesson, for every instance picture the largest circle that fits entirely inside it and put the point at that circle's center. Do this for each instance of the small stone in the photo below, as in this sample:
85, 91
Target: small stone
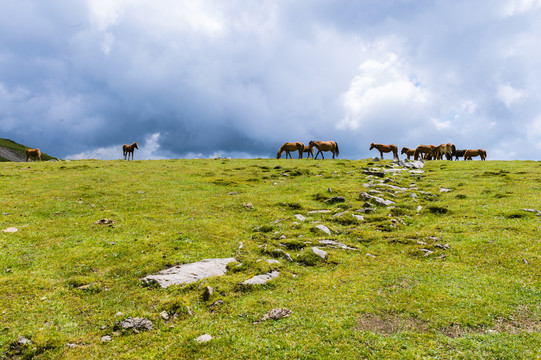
10, 230
203, 338
208, 292
106, 338
275, 314
324, 229
8, 270
358, 217
444, 190
165, 315
23, 341
371, 255
261, 279
272, 261
71, 345
300, 217
118, 314
248, 206
321, 253
525, 261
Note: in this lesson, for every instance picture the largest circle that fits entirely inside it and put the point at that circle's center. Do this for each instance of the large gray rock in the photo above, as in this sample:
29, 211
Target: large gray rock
261, 279
324, 229
188, 273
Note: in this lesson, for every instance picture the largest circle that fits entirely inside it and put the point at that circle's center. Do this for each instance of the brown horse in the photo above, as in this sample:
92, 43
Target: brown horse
325, 146
128, 149
34, 153
385, 149
479, 152
444, 149
310, 150
293, 146
423, 149
409, 152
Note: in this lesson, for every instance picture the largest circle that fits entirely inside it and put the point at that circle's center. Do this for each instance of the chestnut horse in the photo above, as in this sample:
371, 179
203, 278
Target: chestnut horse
325, 146
128, 149
385, 149
444, 149
287, 147
409, 152
34, 153
310, 150
423, 149
479, 152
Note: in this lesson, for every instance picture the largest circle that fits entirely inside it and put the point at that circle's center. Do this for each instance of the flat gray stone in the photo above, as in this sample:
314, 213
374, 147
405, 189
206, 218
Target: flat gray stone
10, 230
189, 273
321, 253
203, 338
261, 279
324, 229
300, 217
336, 244
365, 196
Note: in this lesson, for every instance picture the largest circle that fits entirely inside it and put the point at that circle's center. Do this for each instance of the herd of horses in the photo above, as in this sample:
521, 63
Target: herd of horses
431, 152
425, 152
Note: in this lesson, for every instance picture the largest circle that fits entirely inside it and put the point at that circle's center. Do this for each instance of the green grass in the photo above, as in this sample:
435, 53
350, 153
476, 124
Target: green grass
402, 294
10, 144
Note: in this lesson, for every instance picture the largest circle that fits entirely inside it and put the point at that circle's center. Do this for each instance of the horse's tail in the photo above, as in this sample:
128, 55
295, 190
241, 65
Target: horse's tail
337, 150
453, 150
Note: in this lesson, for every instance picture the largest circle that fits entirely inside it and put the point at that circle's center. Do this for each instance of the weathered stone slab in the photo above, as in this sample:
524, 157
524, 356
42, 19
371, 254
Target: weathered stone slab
188, 273
324, 229
300, 217
365, 196
10, 230
261, 279
336, 244
321, 253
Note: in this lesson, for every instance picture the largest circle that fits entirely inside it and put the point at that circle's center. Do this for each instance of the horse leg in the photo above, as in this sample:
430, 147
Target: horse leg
381, 154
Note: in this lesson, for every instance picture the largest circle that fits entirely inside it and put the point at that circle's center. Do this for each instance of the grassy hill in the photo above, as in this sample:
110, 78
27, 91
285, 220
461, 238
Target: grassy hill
450, 270
10, 144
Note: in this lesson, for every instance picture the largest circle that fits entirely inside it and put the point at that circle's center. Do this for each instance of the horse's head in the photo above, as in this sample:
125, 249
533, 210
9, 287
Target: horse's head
372, 146
136, 146
404, 150
278, 155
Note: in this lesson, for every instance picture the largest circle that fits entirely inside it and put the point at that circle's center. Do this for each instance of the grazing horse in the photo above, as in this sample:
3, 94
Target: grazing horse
459, 154
310, 150
385, 149
423, 149
444, 149
479, 152
34, 153
287, 147
409, 152
325, 146
128, 149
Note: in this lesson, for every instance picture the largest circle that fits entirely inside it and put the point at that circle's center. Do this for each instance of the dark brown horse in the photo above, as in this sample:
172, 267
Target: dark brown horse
325, 146
478, 152
310, 150
423, 149
128, 149
409, 152
293, 146
459, 154
33, 153
385, 149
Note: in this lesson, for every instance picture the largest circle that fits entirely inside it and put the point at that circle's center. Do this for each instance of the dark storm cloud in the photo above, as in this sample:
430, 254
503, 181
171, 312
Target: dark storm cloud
239, 78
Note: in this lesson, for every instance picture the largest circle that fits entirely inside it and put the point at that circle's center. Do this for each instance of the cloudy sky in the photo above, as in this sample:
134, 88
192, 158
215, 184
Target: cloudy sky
240, 77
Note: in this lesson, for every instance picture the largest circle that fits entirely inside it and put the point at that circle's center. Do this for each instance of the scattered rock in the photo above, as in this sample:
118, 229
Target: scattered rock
371, 255
203, 338
106, 338
108, 222
272, 261
248, 206
119, 314
366, 197
380, 174
233, 193
21, 340
300, 217
336, 245
284, 254
336, 199
165, 315
188, 273
426, 251
71, 345
135, 324
538, 212
274, 314
444, 190
261, 279
416, 172
358, 217
321, 253
10, 230
525, 261
324, 229
319, 211
442, 246
414, 164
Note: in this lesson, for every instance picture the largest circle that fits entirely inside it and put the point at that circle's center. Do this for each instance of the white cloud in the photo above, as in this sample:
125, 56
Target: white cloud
509, 95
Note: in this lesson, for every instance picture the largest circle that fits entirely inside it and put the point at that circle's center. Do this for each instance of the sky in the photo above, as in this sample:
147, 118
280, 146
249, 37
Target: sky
238, 78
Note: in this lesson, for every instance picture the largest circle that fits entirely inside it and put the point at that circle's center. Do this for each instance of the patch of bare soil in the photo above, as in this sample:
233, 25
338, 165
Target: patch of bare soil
390, 324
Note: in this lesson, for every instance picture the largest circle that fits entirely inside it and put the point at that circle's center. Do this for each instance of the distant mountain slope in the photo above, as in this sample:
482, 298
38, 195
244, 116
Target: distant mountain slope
12, 151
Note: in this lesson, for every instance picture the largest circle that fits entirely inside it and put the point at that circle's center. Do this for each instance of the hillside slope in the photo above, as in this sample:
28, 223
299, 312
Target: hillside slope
12, 151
